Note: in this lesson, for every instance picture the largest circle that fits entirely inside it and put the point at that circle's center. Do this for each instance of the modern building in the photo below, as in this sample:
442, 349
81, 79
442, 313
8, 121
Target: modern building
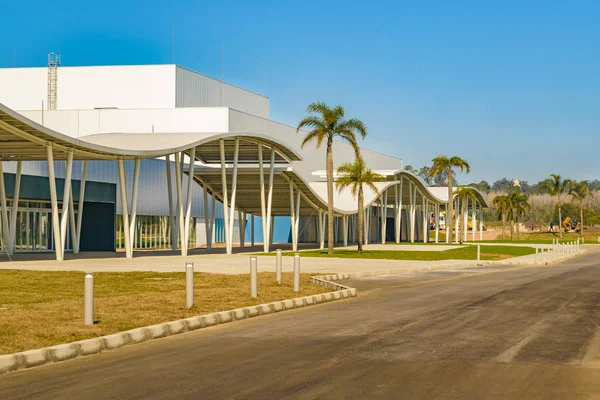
99, 135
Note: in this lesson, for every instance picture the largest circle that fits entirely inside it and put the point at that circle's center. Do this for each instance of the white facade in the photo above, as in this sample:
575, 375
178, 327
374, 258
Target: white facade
124, 87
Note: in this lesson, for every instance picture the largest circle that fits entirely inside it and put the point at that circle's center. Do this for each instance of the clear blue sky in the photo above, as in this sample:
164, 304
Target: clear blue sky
512, 86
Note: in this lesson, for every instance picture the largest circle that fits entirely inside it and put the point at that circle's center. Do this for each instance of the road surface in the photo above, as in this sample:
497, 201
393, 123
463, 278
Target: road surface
496, 332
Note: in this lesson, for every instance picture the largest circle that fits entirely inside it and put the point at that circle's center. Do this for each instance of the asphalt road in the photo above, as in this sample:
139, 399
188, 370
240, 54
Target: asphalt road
523, 333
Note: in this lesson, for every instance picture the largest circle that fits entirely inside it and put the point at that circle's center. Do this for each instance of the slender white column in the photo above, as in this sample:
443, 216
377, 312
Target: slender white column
206, 215
134, 196
384, 204
64, 218
474, 219
466, 220
437, 222
270, 196
263, 205
212, 219
178, 178
124, 212
398, 219
321, 231
188, 203
225, 200
345, 230
297, 214
425, 222
456, 221
366, 225
13, 216
413, 193
293, 217
236, 153
4, 210
173, 230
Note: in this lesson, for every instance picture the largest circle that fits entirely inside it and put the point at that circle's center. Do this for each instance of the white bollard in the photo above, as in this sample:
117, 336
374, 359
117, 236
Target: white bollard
536, 253
88, 299
253, 277
478, 252
278, 266
296, 272
189, 284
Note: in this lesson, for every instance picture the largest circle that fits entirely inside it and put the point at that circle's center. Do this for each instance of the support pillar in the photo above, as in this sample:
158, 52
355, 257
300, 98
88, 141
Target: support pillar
466, 220
206, 217
172, 223
178, 183
473, 219
6, 241
425, 222
398, 211
236, 153
269, 237
225, 199
188, 204
437, 222
384, 204
345, 230
321, 230
263, 205
124, 211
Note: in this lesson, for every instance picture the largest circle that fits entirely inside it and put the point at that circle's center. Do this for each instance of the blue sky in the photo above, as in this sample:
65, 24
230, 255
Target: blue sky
511, 86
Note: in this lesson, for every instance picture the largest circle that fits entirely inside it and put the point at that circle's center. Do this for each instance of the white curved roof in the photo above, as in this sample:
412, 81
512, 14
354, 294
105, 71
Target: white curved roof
24, 139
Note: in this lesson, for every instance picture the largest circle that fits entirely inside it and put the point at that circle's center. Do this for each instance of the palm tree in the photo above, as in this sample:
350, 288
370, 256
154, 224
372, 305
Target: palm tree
556, 186
519, 205
502, 205
356, 176
327, 125
463, 193
445, 165
579, 191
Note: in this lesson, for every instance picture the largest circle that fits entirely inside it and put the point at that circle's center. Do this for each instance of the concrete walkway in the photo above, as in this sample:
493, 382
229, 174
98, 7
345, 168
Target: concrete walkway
239, 264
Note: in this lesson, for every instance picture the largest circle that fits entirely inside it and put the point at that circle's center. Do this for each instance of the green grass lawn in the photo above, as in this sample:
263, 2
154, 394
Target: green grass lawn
546, 238
39, 309
464, 253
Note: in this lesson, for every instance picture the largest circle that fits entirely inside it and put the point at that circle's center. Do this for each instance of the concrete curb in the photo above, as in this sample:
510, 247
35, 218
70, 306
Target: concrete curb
62, 352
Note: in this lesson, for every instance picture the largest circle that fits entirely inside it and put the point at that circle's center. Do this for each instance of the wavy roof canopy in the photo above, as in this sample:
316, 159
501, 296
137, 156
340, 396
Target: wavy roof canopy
24, 139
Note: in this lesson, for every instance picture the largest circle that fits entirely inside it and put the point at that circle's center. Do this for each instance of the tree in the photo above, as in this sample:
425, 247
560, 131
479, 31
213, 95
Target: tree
463, 193
579, 191
502, 185
329, 123
519, 205
445, 165
356, 176
556, 186
502, 206
482, 186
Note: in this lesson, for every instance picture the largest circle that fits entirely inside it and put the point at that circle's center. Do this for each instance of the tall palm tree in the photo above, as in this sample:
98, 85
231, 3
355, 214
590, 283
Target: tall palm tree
556, 186
445, 165
519, 205
502, 205
356, 176
579, 191
325, 124
463, 193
